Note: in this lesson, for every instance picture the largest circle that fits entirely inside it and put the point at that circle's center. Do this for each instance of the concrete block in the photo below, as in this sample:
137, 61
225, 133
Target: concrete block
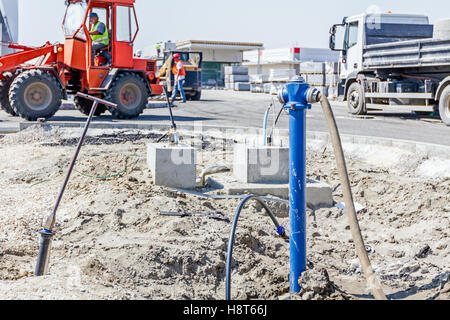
242, 86
234, 70
261, 164
331, 67
256, 88
312, 67
239, 78
172, 166
315, 79
318, 194
332, 79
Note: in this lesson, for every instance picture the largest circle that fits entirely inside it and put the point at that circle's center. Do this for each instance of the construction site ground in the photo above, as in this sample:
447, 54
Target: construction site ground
112, 243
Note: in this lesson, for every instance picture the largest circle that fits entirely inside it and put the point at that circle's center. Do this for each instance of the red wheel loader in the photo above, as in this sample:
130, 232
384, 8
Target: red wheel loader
35, 91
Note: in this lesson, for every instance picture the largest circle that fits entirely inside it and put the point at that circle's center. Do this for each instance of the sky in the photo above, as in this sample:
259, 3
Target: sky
276, 23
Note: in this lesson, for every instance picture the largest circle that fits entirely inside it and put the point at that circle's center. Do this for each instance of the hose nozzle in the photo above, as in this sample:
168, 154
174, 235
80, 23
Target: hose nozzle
44, 253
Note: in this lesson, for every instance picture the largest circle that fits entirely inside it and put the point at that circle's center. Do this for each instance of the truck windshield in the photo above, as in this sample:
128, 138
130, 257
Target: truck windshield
74, 19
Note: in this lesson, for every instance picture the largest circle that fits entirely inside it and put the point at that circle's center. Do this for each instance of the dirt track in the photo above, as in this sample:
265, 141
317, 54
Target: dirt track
112, 243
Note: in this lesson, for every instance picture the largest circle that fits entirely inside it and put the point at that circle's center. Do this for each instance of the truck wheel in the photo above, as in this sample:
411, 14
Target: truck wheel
130, 93
85, 106
197, 96
4, 92
444, 106
35, 94
355, 101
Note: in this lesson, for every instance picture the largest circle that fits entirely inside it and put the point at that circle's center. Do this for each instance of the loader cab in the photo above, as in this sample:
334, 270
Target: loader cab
119, 18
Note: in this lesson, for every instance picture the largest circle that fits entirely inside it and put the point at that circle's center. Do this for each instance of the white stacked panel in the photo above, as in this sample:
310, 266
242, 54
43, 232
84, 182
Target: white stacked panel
291, 54
259, 78
237, 78
332, 79
281, 75
257, 88
241, 86
236, 70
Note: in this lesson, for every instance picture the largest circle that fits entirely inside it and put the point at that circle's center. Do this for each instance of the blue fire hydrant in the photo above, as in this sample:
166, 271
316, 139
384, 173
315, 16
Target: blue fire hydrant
297, 97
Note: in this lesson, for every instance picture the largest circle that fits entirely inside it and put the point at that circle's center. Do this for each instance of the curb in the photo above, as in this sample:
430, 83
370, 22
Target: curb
7, 130
427, 149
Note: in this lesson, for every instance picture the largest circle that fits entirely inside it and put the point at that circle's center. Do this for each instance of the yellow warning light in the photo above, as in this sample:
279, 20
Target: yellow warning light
389, 12
60, 49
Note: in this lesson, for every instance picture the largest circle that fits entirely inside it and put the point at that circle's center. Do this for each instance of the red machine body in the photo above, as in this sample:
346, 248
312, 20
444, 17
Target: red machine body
73, 66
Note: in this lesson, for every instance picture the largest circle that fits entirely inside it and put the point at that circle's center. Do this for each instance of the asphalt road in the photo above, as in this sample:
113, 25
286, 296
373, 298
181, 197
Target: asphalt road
243, 109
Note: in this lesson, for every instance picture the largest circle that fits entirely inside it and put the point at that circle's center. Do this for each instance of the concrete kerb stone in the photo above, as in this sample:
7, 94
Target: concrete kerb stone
426, 149
8, 129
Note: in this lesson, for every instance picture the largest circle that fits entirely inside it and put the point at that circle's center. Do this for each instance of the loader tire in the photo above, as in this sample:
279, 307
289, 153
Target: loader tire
197, 96
444, 106
130, 92
85, 106
35, 94
4, 92
355, 100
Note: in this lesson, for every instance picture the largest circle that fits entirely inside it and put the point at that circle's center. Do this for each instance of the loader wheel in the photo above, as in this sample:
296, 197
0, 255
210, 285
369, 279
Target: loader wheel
35, 94
130, 93
85, 106
444, 106
355, 100
4, 92
197, 96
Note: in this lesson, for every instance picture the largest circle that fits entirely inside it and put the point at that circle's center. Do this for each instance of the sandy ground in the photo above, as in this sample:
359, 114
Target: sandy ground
112, 242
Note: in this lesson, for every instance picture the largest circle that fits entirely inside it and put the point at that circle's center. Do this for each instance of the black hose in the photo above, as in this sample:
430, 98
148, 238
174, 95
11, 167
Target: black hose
280, 230
276, 122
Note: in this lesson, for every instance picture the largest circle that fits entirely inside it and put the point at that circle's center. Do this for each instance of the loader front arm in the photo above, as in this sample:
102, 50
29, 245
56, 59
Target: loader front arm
14, 60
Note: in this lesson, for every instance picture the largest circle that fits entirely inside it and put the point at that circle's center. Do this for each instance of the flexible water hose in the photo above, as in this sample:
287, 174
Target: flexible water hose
280, 231
369, 273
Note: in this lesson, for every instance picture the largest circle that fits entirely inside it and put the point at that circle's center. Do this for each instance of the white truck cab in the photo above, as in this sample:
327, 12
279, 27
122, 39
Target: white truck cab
393, 62
355, 32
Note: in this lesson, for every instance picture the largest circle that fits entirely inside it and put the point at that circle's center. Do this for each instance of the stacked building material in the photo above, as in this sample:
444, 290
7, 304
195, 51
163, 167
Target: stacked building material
290, 54
257, 82
321, 75
313, 73
332, 79
257, 87
281, 75
259, 78
237, 78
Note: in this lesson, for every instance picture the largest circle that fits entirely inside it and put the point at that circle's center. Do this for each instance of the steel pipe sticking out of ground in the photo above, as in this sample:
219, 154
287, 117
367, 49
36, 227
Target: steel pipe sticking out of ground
48, 232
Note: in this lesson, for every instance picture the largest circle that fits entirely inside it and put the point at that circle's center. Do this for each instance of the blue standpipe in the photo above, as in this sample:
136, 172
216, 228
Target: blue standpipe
296, 97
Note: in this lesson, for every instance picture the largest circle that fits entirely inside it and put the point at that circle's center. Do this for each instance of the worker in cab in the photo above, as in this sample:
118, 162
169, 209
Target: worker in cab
99, 35
179, 73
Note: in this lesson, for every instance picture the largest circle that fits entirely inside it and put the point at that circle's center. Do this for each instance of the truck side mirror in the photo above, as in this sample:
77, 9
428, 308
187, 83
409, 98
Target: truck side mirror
332, 41
339, 30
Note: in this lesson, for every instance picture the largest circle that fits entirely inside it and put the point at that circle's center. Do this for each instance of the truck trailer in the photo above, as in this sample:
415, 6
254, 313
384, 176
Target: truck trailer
393, 62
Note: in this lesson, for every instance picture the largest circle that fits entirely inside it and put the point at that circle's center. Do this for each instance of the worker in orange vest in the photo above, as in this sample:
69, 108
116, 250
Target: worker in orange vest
180, 75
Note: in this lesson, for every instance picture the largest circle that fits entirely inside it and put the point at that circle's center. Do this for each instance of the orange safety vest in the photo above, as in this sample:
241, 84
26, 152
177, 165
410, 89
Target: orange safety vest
175, 69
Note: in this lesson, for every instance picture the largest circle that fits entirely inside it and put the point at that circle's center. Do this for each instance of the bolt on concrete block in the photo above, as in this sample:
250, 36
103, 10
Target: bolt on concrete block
261, 164
172, 166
